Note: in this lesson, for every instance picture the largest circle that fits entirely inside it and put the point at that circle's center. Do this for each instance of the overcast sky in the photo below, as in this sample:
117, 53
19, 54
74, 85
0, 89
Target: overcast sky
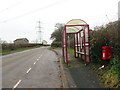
18, 18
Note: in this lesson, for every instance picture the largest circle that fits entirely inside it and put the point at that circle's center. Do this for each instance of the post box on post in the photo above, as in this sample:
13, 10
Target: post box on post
106, 53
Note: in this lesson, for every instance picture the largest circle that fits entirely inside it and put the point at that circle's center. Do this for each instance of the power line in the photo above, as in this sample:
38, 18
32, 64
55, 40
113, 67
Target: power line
34, 11
11, 6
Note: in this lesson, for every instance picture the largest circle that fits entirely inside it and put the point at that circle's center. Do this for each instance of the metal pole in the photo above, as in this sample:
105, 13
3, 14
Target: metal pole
63, 43
89, 42
80, 44
74, 46
66, 46
77, 45
119, 11
84, 46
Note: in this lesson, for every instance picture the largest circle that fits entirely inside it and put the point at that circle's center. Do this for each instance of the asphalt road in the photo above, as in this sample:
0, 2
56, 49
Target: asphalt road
34, 68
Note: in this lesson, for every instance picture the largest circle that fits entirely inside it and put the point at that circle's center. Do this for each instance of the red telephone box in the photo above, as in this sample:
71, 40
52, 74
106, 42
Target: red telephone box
106, 53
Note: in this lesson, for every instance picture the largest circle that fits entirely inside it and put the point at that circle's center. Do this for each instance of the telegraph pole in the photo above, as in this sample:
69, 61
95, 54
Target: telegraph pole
39, 31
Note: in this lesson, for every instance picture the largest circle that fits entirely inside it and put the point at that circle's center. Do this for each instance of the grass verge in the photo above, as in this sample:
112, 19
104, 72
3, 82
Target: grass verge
5, 52
71, 51
54, 48
108, 75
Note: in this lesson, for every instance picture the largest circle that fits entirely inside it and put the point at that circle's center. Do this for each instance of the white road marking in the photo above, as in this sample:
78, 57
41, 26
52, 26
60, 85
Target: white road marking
34, 62
28, 70
17, 84
40, 56
37, 59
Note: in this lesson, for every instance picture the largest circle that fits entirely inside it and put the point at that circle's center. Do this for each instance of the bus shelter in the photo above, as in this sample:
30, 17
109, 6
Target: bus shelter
81, 32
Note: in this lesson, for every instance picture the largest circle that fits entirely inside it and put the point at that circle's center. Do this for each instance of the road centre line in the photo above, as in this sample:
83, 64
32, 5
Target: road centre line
28, 70
17, 84
34, 62
40, 56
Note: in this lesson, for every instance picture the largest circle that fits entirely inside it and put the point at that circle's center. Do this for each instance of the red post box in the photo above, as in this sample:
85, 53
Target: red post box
106, 53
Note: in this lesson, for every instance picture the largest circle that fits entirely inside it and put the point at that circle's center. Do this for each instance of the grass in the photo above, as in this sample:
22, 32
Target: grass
107, 75
71, 51
73, 62
5, 52
111, 79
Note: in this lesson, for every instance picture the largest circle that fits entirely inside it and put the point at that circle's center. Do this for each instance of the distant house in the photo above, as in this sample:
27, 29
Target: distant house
21, 41
44, 42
